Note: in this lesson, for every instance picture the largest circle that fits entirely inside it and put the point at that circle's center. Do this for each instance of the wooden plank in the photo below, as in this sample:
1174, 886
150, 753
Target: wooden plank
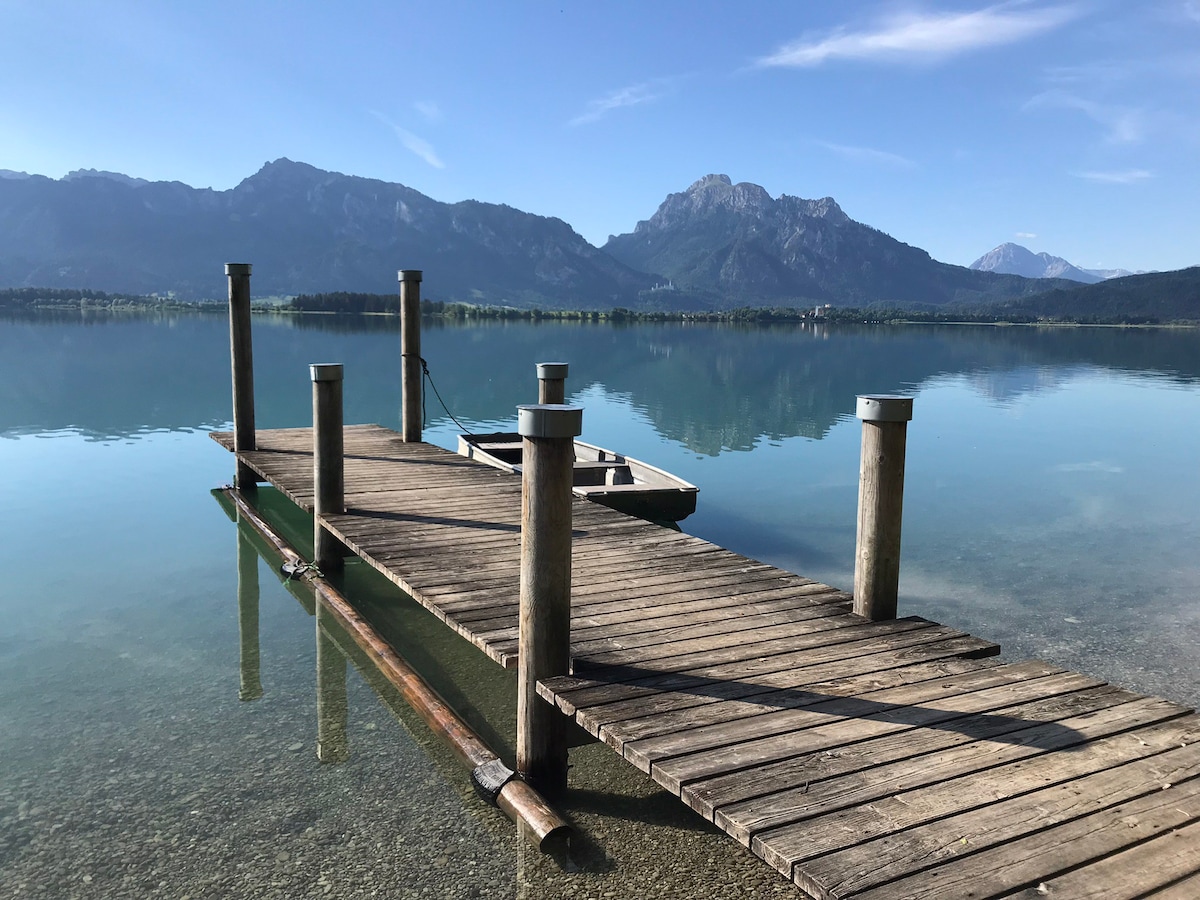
1036, 859
728, 748
1131, 873
951, 654
1117, 770
574, 692
797, 823
727, 794
673, 713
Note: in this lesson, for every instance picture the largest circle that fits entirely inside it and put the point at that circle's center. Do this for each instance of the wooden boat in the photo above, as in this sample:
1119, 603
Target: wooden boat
624, 484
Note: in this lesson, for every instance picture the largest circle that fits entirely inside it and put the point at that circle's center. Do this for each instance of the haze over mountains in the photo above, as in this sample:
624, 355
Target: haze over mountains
715, 245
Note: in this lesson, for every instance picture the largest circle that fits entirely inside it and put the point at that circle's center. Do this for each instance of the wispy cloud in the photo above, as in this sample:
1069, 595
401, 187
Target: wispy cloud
428, 109
411, 142
924, 37
1191, 9
1129, 176
867, 155
634, 95
1123, 124
1025, 235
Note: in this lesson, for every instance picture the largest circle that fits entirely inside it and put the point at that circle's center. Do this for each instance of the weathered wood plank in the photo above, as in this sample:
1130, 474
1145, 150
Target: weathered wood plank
1103, 773
1036, 859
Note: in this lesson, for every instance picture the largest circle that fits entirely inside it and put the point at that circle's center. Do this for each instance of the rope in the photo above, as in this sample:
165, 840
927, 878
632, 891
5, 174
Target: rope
293, 571
436, 393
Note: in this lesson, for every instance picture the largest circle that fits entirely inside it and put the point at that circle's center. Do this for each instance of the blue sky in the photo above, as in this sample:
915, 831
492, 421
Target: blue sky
1071, 126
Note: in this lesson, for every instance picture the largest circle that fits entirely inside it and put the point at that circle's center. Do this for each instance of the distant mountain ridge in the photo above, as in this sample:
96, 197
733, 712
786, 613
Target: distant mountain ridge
738, 241
305, 230
715, 245
1013, 259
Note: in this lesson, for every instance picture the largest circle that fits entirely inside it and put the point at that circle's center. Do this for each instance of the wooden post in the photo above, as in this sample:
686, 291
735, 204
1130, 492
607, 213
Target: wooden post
243, 369
880, 504
547, 432
248, 594
332, 708
410, 354
328, 478
552, 382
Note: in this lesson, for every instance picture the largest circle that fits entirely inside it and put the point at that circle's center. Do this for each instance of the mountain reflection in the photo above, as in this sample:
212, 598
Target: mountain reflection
708, 387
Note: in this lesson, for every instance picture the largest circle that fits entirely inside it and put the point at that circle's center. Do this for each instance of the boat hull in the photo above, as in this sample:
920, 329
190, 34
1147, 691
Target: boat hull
601, 476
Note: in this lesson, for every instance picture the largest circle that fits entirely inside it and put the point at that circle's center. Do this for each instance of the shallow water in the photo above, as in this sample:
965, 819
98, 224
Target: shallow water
1050, 505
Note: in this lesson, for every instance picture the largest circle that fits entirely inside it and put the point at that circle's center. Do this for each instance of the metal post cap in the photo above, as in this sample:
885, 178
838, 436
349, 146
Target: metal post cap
549, 420
884, 408
237, 268
555, 371
326, 371
409, 274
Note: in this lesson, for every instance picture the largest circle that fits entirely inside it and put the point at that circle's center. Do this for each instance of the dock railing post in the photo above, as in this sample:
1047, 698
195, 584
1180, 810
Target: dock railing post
242, 359
552, 382
410, 354
328, 475
547, 432
885, 421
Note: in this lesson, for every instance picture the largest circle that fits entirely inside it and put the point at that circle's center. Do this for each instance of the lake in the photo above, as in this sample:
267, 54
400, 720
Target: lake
1051, 505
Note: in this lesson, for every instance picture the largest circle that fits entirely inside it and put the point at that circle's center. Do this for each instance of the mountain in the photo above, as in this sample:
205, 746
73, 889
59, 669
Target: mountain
305, 230
742, 245
1013, 259
1162, 297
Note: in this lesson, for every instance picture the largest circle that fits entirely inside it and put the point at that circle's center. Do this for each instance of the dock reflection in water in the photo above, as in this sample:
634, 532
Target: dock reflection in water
633, 839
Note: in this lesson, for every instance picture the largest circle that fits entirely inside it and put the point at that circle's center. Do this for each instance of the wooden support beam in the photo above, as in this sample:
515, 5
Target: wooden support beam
242, 362
548, 432
328, 461
552, 382
880, 504
410, 353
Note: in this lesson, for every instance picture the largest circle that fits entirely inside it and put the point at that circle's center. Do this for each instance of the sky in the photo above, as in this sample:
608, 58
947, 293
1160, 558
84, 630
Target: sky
1067, 126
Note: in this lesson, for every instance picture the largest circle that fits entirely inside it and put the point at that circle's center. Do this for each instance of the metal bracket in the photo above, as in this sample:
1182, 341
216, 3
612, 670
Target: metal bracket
489, 779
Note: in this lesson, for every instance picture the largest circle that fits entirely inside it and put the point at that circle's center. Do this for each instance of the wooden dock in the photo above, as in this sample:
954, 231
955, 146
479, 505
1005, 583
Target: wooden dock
860, 759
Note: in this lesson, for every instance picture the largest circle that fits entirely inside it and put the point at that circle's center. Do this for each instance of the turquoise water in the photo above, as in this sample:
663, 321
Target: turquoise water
1051, 500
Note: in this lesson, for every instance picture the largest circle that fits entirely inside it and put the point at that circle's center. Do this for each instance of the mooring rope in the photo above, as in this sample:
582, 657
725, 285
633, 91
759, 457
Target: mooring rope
294, 571
436, 393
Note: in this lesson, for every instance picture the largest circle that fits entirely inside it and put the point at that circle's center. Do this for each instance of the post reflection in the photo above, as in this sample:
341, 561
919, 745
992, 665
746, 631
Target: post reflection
332, 707
248, 594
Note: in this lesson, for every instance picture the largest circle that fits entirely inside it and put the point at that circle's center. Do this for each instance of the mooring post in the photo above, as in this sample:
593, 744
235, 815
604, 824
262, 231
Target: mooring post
328, 476
885, 421
243, 369
247, 592
410, 354
332, 707
552, 382
547, 434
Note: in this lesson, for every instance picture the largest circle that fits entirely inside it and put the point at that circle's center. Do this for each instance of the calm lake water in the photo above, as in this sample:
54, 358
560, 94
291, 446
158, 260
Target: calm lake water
1051, 505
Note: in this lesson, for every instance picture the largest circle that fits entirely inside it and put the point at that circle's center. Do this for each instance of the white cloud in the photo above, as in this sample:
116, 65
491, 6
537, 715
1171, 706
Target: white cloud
1025, 235
428, 109
924, 37
414, 144
1124, 124
634, 95
1129, 176
868, 155
1191, 9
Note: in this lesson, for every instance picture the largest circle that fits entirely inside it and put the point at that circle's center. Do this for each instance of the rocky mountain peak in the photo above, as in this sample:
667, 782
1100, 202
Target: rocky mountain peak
111, 176
1013, 259
709, 180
